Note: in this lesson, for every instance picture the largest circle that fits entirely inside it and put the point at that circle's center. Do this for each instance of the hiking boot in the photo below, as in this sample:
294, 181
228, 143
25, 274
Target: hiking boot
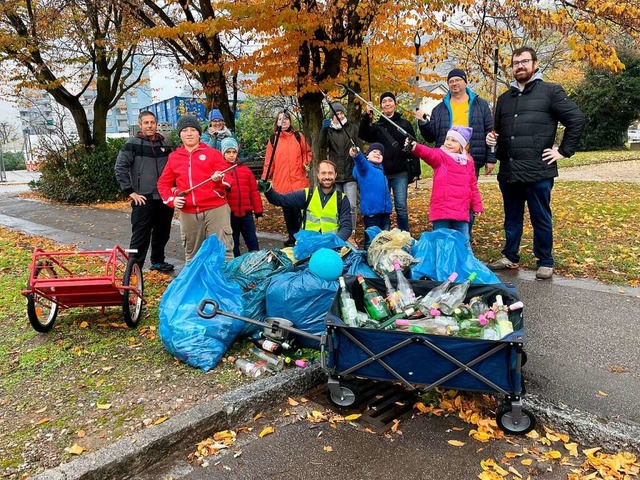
544, 273
503, 264
162, 267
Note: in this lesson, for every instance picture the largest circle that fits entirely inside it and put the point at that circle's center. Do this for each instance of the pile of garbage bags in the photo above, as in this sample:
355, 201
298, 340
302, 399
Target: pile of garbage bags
269, 283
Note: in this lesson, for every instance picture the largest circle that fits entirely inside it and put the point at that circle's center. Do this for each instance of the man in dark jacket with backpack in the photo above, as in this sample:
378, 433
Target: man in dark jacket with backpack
138, 167
526, 122
399, 167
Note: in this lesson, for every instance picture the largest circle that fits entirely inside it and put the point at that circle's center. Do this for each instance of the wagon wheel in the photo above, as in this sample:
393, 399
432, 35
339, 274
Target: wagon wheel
504, 418
131, 301
347, 398
42, 311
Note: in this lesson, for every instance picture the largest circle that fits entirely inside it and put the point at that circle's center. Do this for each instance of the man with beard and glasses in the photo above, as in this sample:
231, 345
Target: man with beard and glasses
324, 208
526, 122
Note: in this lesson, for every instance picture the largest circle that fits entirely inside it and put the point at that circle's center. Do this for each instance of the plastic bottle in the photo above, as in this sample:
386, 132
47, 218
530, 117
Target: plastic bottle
455, 296
252, 369
347, 305
394, 299
373, 302
272, 361
403, 286
436, 294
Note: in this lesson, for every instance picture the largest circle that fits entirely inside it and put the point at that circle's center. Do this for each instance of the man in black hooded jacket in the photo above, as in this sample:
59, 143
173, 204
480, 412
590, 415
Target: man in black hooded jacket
526, 122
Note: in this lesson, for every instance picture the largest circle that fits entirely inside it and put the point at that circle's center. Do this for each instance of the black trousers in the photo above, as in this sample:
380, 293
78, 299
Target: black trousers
292, 219
150, 224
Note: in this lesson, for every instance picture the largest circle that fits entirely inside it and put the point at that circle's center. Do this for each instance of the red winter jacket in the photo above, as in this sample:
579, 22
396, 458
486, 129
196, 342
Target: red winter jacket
455, 188
186, 169
244, 196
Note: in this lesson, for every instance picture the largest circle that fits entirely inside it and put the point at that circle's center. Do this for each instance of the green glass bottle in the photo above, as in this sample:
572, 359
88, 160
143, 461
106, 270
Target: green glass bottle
373, 302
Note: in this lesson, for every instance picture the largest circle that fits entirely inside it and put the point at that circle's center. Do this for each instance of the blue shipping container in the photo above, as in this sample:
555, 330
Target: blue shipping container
172, 109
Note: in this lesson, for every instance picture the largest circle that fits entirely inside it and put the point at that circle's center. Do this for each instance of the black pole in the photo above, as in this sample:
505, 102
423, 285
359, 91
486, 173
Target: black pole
495, 92
329, 102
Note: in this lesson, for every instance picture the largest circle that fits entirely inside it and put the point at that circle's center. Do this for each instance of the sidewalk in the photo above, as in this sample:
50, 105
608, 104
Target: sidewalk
583, 370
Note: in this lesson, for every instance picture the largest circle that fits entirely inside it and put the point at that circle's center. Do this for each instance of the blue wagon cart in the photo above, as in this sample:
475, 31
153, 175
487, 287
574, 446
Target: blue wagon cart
420, 362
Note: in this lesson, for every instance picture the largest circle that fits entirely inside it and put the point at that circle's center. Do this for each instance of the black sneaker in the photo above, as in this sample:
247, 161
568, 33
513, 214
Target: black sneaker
162, 267
290, 242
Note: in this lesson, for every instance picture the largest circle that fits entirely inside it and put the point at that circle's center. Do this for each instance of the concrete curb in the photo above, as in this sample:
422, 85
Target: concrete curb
131, 455
588, 429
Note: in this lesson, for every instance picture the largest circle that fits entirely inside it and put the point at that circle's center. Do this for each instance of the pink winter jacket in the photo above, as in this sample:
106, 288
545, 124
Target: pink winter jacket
455, 189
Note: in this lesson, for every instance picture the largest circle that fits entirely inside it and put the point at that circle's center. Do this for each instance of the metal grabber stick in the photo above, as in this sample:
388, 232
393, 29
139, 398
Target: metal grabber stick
189, 190
495, 93
329, 102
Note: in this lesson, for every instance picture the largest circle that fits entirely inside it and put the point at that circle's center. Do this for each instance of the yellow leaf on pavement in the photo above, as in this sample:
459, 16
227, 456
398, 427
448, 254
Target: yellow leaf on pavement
603, 394
266, 431
456, 443
533, 434
515, 472
512, 454
489, 475
590, 451
292, 402
526, 461
572, 448
260, 415
353, 416
75, 449
553, 454
328, 449
103, 406
160, 420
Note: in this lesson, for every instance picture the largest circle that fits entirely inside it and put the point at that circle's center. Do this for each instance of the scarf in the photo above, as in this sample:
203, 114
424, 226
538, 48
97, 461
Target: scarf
460, 158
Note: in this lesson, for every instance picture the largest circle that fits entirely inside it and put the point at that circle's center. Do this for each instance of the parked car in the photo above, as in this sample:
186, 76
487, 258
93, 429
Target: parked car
633, 135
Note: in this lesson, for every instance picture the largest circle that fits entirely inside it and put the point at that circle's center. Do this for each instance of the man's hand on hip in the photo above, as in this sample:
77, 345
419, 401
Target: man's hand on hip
551, 155
138, 199
488, 168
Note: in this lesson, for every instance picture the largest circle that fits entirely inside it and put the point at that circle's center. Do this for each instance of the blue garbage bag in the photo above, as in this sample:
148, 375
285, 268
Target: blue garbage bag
302, 298
252, 272
192, 339
443, 251
355, 263
308, 242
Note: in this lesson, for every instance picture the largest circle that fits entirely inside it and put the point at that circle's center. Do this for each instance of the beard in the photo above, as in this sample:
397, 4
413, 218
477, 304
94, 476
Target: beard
524, 75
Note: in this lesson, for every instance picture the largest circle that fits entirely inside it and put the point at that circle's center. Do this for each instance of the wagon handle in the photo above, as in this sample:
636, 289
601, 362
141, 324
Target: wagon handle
207, 303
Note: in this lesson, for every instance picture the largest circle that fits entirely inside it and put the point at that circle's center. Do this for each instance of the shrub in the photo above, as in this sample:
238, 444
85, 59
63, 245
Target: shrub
76, 176
13, 161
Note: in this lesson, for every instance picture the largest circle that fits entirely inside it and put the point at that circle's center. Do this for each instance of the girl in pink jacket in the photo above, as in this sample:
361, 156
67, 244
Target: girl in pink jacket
455, 190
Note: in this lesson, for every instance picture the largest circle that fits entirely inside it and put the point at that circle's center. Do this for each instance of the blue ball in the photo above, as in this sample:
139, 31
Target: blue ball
326, 264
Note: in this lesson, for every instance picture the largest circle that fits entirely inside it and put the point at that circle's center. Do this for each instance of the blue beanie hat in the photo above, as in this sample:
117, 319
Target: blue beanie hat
215, 114
228, 143
375, 146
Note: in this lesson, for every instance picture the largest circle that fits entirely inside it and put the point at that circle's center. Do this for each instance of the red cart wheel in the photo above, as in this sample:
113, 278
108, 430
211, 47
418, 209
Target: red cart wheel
132, 301
42, 311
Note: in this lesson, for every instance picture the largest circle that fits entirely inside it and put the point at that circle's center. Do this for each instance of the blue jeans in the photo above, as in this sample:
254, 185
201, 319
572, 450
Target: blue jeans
378, 220
457, 225
537, 196
247, 227
398, 186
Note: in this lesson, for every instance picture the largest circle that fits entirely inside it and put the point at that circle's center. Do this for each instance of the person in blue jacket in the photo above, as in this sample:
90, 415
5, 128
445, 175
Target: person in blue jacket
461, 106
217, 131
375, 198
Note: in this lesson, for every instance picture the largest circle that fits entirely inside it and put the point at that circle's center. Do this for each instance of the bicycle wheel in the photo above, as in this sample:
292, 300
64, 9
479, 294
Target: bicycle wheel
132, 301
42, 311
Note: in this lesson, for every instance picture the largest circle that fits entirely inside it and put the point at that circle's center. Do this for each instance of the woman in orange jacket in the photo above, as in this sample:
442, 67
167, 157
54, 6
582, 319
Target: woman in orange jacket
288, 171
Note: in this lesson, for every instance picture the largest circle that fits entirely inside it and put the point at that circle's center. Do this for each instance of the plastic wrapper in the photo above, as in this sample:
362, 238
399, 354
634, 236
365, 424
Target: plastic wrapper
443, 251
388, 246
192, 339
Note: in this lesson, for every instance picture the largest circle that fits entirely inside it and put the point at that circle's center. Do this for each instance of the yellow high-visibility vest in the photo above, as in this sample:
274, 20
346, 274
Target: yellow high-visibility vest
322, 219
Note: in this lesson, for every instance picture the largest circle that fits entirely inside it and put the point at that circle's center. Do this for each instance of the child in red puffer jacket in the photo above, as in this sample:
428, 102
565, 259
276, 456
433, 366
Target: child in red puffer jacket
455, 190
244, 199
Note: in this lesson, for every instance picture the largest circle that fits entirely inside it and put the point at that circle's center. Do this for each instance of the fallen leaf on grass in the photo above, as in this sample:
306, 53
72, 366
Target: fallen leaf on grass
84, 324
107, 369
43, 420
266, 431
41, 410
103, 406
81, 433
75, 449
456, 443
99, 382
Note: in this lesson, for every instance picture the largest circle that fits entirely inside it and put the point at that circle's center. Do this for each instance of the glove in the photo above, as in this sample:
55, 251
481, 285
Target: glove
263, 185
408, 145
326, 123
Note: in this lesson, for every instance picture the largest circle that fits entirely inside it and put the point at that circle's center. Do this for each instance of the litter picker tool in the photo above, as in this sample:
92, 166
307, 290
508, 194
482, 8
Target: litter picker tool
275, 143
495, 93
382, 115
335, 114
189, 190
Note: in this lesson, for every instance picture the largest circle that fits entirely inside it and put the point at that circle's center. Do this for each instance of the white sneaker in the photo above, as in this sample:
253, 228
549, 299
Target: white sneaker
503, 264
544, 273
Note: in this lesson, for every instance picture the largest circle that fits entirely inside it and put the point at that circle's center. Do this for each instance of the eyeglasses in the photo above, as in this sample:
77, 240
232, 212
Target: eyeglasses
517, 63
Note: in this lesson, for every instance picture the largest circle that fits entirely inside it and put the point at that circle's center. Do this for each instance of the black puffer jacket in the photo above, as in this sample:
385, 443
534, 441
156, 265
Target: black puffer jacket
526, 122
394, 160
337, 144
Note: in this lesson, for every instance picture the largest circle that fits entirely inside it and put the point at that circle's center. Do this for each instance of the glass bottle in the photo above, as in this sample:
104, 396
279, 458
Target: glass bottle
505, 327
252, 369
272, 361
403, 286
435, 294
268, 345
490, 330
347, 305
455, 296
393, 296
478, 306
374, 303
437, 325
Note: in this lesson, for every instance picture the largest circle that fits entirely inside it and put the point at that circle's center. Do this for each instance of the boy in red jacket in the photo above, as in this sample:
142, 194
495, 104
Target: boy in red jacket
244, 199
204, 210
455, 190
